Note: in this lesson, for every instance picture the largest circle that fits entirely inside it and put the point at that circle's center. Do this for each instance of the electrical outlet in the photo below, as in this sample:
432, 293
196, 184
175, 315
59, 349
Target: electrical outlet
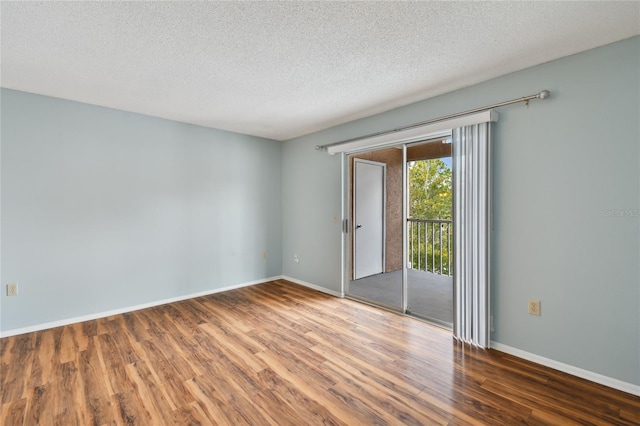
534, 307
12, 289
296, 258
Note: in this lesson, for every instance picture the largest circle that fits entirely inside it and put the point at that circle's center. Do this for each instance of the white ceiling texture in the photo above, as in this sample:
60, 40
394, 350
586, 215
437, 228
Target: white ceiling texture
285, 69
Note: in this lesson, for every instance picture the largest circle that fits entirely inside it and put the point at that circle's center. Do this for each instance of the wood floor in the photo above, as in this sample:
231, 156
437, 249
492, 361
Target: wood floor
281, 354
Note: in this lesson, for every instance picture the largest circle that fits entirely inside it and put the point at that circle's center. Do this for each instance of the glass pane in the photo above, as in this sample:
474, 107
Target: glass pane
430, 233
375, 194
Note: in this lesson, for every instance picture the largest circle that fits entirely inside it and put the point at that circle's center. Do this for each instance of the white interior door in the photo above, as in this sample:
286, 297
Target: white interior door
369, 218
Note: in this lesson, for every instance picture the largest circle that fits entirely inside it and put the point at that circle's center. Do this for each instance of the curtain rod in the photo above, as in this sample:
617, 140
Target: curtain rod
542, 95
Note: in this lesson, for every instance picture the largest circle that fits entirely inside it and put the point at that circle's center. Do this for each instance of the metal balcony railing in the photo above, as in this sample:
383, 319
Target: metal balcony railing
430, 245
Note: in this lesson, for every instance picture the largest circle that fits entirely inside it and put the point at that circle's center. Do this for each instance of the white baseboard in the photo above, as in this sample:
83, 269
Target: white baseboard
570, 369
313, 286
60, 323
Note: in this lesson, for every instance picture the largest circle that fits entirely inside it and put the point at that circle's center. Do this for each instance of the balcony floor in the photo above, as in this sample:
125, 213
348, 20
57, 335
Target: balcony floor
430, 295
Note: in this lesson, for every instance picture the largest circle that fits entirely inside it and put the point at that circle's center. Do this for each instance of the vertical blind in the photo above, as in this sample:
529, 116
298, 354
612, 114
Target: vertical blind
471, 222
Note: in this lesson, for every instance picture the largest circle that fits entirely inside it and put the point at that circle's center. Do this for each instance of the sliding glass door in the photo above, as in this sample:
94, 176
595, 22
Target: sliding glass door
430, 232
399, 229
440, 281
374, 196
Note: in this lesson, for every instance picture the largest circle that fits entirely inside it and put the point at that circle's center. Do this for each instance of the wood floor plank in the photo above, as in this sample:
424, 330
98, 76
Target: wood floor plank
283, 354
156, 399
234, 349
131, 408
97, 401
168, 371
286, 415
630, 415
35, 375
176, 346
39, 405
68, 395
400, 407
135, 326
113, 363
344, 412
13, 413
232, 405
17, 369
288, 405
378, 372
210, 400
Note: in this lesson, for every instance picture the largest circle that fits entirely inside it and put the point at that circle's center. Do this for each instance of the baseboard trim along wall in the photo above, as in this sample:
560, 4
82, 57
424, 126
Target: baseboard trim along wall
313, 286
90, 317
570, 369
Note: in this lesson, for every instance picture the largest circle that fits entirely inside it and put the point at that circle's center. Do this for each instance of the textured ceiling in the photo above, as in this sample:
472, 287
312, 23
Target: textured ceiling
284, 69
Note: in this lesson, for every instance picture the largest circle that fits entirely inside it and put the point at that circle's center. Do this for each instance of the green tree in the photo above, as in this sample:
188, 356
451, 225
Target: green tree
430, 194
430, 198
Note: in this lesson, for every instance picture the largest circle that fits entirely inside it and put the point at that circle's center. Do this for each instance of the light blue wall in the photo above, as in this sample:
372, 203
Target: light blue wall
104, 209
559, 166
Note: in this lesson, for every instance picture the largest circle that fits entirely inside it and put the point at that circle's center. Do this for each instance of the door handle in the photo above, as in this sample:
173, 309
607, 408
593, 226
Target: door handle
358, 226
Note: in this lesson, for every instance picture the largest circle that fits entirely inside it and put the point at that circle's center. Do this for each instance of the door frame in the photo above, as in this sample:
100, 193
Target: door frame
384, 211
348, 226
